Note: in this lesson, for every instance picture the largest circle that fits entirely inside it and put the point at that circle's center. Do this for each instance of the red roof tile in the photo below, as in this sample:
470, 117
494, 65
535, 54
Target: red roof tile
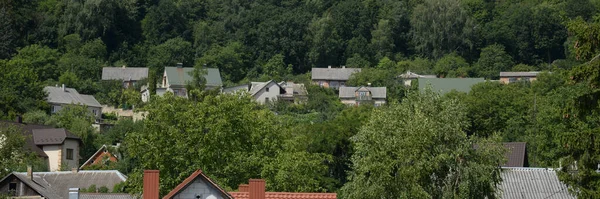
286, 195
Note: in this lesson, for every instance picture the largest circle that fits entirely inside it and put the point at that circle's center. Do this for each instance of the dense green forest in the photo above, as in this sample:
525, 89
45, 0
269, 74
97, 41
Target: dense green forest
320, 146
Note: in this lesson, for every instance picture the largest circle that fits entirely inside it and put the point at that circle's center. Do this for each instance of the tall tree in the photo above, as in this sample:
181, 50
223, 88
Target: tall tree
492, 61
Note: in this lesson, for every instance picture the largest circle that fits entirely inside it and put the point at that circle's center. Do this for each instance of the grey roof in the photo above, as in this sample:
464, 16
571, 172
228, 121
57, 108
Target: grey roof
124, 73
444, 85
258, 86
180, 76
411, 75
516, 154
297, 89
47, 192
522, 182
105, 196
519, 74
69, 96
376, 92
28, 129
333, 73
57, 184
233, 89
51, 136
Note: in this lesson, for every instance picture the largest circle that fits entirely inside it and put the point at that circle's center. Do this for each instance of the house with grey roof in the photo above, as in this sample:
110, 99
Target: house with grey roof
445, 85
57, 185
129, 75
523, 182
355, 96
294, 92
58, 147
512, 77
175, 80
262, 92
408, 77
59, 97
332, 77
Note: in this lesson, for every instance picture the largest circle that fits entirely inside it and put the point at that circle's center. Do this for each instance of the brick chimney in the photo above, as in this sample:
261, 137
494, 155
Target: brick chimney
243, 188
257, 189
151, 184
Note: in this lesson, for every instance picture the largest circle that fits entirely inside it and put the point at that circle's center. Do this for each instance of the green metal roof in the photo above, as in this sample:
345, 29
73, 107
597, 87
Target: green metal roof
179, 76
444, 85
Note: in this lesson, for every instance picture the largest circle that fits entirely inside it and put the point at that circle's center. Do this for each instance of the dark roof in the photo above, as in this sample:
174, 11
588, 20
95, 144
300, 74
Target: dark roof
105, 196
46, 192
520, 183
519, 74
444, 85
27, 129
197, 174
124, 73
57, 184
376, 92
333, 73
180, 76
52, 136
516, 154
69, 96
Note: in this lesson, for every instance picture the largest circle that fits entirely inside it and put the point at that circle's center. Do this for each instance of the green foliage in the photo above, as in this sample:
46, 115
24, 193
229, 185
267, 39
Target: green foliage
492, 60
230, 60
12, 155
77, 120
169, 53
419, 149
41, 59
450, 66
21, 90
276, 68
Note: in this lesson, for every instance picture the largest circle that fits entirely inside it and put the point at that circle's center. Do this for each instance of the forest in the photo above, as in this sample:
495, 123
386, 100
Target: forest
323, 145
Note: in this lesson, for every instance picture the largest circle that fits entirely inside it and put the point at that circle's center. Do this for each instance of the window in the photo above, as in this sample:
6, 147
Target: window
12, 189
95, 112
512, 80
333, 84
342, 84
321, 83
266, 99
55, 109
69, 154
267, 89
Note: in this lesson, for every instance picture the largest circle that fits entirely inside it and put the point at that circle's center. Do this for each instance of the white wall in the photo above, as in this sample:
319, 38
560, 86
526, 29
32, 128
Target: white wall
54, 153
273, 93
200, 188
98, 114
70, 144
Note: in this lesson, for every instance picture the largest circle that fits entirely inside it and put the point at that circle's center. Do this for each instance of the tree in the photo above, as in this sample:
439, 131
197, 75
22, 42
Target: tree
276, 68
382, 42
21, 90
78, 120
7, 34
230, 59
448, 65
41, 59
439, 27
419, 149
164, 22
492, 61
169, 53
13, 157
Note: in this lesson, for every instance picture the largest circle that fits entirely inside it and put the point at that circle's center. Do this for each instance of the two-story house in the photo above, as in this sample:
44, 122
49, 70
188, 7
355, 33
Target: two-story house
56, 146
363, 95
511, 77
332, 77
175, 80
129, 76
58, 97
262, 92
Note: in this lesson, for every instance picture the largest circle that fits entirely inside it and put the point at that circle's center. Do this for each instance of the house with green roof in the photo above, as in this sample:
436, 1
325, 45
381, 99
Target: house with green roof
445, 85
176, 78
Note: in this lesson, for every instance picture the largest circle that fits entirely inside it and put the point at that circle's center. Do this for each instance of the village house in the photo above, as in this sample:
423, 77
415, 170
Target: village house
175, 80
363, 95
102, 157
58, 147
129, 75
512, 77
58, 97
408, 77
445, 85
60, 184
332, 77
270, 91
524, 182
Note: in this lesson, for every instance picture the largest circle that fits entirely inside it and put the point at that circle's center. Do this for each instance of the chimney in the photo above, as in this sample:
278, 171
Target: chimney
179, 65
343, 66
329, 66
19, 119
369, 84
63, 87
73, 193
151, 184
74, 169
29, 172
257, 189
243, 188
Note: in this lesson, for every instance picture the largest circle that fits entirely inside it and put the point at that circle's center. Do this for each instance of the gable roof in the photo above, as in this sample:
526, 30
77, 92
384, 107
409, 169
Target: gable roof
376, 92
41, 190
411, 75
105, 196
520, 182
197, 174
286, 195
333, 73
179, 76
99, 152
516, 154
445, 85
258, 86
124, 73
519, 74
297, 89
69, 96
52, 136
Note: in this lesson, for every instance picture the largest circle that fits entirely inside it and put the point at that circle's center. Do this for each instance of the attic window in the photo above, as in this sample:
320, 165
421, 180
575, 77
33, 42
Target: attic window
267, 89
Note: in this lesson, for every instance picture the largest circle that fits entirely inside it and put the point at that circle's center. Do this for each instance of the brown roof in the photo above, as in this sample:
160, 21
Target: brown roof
286, 195
52, 136
190, 179
27, 132
516, 154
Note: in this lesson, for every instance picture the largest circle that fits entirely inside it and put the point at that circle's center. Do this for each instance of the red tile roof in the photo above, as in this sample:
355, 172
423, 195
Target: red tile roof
190, 179
286, 195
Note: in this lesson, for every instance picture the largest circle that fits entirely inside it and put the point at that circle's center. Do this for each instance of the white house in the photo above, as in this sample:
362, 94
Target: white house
262, 92
58, 97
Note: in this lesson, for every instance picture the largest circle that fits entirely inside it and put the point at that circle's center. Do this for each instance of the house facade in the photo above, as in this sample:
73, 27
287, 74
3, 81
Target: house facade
59, 97
408, 77
58, 147
363, 95
175, 80
129, 76
295, 93
332, 77
512, 77
264, 92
